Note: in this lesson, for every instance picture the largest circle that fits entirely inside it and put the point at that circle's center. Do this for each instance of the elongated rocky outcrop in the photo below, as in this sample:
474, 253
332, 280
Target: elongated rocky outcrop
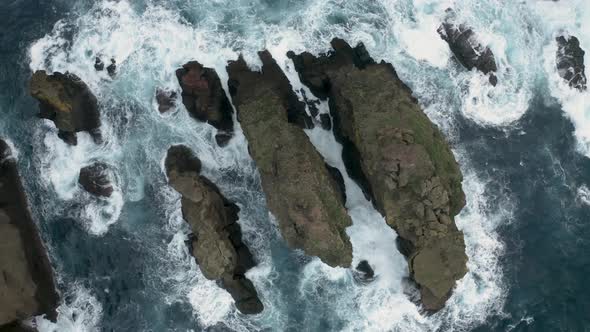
467, 48
299, 189
399, 157
27, 285
217, 243
67, 101
205, 100
570, 61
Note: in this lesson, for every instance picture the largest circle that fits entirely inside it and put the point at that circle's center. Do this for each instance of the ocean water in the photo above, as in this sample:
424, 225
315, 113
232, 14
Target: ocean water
122, 263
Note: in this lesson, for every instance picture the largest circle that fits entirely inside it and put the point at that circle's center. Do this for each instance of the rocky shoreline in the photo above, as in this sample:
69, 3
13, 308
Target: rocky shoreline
27, 285
390, 148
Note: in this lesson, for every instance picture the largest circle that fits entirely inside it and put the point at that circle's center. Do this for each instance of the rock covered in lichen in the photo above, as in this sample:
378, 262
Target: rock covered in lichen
399, 157
67, 101
217, 243
299, 189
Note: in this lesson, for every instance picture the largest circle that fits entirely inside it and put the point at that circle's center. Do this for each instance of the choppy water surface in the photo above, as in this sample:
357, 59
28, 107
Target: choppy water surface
122, 264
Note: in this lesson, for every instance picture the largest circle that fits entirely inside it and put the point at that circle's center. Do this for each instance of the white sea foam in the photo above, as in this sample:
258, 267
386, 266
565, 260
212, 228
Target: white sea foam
568, 18
81, 312
584, 194
147, 61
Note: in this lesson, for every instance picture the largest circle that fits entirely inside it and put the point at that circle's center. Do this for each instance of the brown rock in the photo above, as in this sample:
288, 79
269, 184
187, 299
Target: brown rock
217, 245
96, 179
400, 159
27, 286
166, 100
68, 102
299, 189
204, 98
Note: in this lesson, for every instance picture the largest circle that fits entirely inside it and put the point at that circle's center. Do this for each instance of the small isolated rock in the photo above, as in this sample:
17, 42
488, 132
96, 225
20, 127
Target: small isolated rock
98, 64
570, 62
96, 179
112, 68
466, 47
166, 99
67, 101
205, 100
365, 271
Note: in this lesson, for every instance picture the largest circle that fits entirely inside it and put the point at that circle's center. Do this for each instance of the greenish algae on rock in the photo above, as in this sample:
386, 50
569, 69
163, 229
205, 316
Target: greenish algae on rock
400, 159
299, 189
217, 243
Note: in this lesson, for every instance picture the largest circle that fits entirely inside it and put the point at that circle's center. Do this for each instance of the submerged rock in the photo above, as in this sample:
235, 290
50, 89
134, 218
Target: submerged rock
400, 158
27, 286
467, 48
166, 100
205, 100
96, 180
217, 243
570, 61
365, 270
299, 189
68, 102
98, 64
112, 68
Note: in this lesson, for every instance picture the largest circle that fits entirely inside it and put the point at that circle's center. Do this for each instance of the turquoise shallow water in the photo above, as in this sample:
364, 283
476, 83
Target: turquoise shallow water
122, 264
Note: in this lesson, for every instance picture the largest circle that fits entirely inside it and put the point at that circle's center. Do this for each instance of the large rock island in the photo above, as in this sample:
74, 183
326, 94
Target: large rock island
217, 243
27, 286
398, 156
300, 190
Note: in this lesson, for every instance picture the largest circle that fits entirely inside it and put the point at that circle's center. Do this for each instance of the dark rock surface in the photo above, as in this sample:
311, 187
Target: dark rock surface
204, 98
27, 285
300, 191
467, 48
98, 64
112, 68
570, 61
166, 100
96, 179
399, 157
217, 243
366, 271
68, 102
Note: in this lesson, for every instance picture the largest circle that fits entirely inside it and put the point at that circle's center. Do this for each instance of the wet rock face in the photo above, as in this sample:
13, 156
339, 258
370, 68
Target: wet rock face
399, 157
570, 62
166, 100
27, 286
204, 98
300, 191
466, 47
96, 179
217, 243
68, 102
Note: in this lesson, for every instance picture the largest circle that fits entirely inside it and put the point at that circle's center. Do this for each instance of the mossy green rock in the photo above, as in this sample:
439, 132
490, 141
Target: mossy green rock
217, 243
299, 189
68, 102
399, 157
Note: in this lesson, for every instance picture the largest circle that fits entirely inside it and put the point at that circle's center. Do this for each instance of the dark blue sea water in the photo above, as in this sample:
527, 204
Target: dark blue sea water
122, 264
